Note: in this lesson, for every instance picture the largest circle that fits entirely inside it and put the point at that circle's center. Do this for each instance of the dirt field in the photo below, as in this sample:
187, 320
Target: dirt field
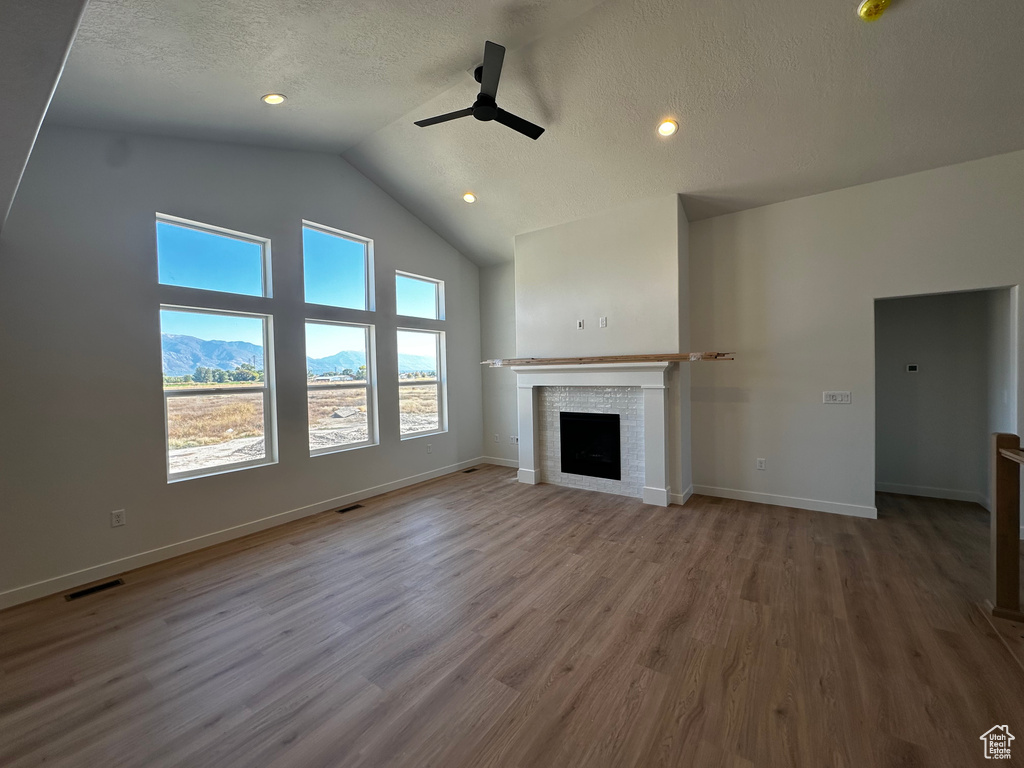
208, 431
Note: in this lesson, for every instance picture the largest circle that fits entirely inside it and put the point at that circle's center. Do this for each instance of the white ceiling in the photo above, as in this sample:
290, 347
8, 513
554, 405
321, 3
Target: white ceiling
775, 100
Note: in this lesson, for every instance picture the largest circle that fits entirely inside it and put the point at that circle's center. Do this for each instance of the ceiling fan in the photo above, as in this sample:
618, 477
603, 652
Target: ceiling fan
485, 107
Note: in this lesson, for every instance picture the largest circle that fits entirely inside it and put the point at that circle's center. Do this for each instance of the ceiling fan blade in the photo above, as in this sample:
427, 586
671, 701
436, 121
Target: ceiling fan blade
517, 123
445, 118
494, 55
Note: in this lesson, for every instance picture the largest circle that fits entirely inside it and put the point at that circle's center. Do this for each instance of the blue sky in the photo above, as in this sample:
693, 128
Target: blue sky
197, 259
415, 298
335, 269
212, 327
326, 340
417, 343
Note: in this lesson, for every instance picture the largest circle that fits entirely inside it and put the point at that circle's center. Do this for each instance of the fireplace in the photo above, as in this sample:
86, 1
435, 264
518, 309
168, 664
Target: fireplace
634, 394
590, 444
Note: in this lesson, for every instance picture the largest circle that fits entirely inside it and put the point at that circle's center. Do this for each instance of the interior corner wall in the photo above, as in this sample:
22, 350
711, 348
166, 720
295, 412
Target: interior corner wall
1001, 334
498, 340
932, 425
682, 462
35, 39
790, 288
81, 407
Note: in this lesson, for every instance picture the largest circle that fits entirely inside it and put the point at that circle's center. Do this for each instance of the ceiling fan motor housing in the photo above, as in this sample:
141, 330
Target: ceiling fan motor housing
485, 108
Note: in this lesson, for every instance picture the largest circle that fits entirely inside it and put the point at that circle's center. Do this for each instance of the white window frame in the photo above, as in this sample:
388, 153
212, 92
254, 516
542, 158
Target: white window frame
438, 294
263, 242
441, 381
267, 389
370, 385
368, 265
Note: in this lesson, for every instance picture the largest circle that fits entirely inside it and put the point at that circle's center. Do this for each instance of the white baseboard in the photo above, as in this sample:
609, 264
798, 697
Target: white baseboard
682, 498
658, 497
933, 493
514, 463
814, 505
529, 476
86, 575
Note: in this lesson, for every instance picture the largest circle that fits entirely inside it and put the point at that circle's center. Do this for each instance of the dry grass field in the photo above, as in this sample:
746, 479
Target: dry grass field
212, 419
337, 416
417, 407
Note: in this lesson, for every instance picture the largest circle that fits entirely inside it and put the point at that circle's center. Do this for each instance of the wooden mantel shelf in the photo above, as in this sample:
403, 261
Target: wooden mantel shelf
675, 357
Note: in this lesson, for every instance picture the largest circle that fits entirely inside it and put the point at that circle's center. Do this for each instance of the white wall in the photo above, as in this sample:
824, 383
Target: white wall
791, 288
1001, 334
498, 340
932, 427
623, 265
81, 409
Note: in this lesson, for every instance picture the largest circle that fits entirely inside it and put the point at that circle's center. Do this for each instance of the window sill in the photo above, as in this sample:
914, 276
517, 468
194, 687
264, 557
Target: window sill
414, 435
223, 469
341, 449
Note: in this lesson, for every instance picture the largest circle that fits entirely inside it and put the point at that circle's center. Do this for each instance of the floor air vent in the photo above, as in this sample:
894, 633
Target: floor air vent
467, 471
94, 589
349, 508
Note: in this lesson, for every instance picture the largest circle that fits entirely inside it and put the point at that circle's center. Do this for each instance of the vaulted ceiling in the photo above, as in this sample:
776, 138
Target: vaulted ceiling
774, 100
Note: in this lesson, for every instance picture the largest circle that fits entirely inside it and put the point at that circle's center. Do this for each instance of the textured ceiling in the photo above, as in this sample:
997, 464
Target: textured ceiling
774, 100
198, 68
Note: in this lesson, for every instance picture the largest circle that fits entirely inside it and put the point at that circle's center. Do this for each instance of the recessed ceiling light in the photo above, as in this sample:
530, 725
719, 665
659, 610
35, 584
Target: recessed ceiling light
469, 197
668, 127
274, 98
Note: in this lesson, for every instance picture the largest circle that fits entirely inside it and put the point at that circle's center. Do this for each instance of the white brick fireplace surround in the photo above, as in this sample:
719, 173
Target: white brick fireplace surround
649, 378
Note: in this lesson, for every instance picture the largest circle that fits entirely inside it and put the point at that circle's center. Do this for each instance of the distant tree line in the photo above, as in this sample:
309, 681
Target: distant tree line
359, 373
246, 372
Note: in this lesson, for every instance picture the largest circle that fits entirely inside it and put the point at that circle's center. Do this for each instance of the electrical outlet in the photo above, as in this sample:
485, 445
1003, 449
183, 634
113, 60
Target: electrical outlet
513, 439
496, 439
836, 398
117, 518
762, 464
603, 322
430, 448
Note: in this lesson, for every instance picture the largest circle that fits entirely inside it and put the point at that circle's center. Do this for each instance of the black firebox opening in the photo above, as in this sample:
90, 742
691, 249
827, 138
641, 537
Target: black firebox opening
590, 444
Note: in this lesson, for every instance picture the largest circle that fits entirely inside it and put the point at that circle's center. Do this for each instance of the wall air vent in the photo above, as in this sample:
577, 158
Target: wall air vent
94, 589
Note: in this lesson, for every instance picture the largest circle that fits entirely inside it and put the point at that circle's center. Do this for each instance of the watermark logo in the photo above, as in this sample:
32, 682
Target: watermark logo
997, 742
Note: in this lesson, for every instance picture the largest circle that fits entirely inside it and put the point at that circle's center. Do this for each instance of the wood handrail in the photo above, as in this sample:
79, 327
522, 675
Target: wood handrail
1013, 455
1007, 459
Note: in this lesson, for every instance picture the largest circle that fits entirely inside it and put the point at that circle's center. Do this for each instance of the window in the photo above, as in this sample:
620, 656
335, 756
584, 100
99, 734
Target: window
417, 296
217, 362
217, 390
421, 382
339, 363
192, 255
341, 386
338, 268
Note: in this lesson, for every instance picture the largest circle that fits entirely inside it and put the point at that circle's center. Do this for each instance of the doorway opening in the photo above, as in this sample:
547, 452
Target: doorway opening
945, 380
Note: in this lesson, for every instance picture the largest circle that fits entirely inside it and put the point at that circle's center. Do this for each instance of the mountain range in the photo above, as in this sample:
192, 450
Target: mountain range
183, 354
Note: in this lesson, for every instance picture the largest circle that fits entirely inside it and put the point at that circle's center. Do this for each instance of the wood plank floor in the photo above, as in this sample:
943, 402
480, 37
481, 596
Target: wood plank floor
474, 621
